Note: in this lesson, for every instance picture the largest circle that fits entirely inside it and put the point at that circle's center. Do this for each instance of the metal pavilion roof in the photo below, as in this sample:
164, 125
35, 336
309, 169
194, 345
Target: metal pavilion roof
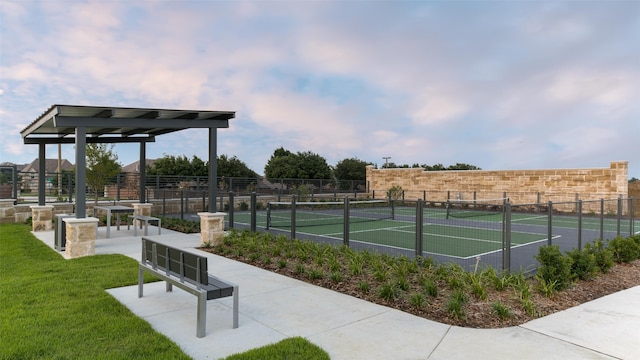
117, 124
79, 125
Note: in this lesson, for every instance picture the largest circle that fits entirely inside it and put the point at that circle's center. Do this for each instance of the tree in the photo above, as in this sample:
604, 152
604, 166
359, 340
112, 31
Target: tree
234, 167
284, 164
351, 169
178, 166
102, 167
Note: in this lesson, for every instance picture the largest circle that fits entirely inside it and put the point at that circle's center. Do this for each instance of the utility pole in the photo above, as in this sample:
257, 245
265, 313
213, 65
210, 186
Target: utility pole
386, 160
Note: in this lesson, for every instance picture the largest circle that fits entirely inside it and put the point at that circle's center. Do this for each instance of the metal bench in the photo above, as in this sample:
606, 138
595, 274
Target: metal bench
187, 271
143, 219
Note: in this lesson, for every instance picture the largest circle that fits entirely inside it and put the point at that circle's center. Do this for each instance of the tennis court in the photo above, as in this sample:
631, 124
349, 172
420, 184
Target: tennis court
467, 235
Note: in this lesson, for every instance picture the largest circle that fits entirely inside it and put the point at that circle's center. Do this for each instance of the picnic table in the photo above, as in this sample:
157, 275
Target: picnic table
116, 209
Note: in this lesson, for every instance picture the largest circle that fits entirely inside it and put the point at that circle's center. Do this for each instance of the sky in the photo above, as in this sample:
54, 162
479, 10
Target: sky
497, 84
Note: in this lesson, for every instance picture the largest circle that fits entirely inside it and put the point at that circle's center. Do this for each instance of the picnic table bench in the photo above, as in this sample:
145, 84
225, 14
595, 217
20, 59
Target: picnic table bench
188, 271
143, 219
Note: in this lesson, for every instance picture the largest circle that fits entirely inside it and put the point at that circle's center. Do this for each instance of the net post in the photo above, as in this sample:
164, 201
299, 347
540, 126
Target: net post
293, 217
268, 215
506, 246
447, 207
550, 224
254, 214
419, 226
579, 210
345, 228
231, 208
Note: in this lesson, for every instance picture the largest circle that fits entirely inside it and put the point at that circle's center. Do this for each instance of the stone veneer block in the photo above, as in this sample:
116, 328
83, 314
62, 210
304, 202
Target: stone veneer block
41, 218
142, 209
81, 236
211, 227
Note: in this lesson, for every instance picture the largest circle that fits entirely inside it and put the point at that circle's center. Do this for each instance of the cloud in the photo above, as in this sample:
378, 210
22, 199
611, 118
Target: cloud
505, 84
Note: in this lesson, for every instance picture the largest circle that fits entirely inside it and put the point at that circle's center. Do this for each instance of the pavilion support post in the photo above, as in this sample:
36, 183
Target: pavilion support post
143, 171
213, 169
42, 171
81, 172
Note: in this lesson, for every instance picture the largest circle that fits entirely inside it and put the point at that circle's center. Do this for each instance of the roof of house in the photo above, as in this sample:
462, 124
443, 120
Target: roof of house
51, 166
134, 167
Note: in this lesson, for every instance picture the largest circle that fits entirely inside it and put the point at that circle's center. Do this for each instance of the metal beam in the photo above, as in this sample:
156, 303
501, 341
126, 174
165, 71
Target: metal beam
91, 140
166, 123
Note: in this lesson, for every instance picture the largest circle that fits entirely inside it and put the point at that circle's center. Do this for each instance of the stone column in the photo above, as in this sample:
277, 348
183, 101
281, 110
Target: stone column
7, 211
81, 236
142, 209
211, 228
41, 218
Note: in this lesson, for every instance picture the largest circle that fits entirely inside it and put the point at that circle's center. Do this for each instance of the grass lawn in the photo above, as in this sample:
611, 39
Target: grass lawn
58, 309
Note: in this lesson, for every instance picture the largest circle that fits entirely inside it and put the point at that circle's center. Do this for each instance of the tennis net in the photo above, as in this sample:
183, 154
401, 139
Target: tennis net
474, 208
317, 213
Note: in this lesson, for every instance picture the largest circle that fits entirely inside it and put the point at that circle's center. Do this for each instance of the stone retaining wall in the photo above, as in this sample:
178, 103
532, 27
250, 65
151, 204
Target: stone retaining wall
520, 186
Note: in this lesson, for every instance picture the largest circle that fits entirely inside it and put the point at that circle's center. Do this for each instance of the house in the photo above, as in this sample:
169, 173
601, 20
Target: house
29, 172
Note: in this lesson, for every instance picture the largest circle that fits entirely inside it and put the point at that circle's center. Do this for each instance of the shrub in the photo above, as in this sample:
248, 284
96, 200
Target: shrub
395, 192
624, 249
603, 255
501, 310
554, 267
583, 264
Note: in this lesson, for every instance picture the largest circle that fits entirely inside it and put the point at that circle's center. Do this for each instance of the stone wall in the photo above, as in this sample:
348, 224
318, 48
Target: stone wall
520, 186
634, 192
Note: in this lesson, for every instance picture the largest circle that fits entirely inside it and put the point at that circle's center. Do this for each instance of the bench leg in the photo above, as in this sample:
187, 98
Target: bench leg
235, 306
201, 330
140, 281
146, 228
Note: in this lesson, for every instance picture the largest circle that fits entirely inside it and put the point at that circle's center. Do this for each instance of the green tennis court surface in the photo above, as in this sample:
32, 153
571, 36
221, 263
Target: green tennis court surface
460, 241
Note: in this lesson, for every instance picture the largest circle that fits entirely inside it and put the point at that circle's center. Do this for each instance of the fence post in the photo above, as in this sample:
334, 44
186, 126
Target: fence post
164, 203
419, 226
631, 227
118, 187
506, 246
619, 215
69, 179
602, 219
182, 204
186, 201
550, 224
293, 217
253, 212
579, 210
345, 228
231, 209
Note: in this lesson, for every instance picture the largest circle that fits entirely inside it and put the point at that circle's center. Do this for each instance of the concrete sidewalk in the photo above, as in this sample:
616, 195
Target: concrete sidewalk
274, 307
